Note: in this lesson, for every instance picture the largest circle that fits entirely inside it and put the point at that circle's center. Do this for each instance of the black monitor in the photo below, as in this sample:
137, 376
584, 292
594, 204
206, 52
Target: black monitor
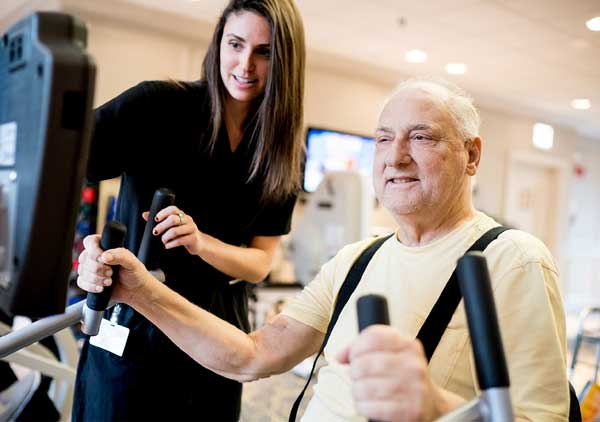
331, 150
46, 94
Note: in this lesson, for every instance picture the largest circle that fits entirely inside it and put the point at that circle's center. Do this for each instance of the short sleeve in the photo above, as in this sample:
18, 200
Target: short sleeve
118, 134
314, 304
276, 218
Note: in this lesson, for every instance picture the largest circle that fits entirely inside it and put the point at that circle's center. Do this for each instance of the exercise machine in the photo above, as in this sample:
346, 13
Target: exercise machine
46, 94
338, 213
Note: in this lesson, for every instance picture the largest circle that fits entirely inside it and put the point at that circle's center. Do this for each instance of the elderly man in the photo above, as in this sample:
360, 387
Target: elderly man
427, 150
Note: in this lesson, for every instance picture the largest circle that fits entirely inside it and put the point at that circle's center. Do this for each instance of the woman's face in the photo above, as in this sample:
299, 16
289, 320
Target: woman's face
245, 55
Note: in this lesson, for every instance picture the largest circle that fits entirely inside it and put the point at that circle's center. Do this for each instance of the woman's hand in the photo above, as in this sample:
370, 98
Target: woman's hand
178, 229
95, 272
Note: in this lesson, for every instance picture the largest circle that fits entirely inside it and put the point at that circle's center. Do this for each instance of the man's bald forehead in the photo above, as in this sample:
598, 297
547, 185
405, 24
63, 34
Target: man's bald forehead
449, 98
416, 94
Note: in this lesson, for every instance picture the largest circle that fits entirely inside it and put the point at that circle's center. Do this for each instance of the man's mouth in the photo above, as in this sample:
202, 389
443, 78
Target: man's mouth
402, 180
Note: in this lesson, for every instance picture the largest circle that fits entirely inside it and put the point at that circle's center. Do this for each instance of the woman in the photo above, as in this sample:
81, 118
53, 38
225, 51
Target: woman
229, 147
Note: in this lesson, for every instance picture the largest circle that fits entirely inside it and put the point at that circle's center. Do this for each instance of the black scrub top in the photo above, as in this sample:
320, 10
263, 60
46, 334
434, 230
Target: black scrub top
154, 135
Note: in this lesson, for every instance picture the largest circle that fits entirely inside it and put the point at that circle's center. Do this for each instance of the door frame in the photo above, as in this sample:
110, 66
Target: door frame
561, 167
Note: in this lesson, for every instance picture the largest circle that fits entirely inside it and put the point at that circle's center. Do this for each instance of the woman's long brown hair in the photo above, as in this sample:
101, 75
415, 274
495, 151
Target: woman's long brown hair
277, 135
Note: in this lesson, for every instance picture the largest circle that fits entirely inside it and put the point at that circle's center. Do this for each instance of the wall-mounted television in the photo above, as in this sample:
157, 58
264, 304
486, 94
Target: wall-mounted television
331, 150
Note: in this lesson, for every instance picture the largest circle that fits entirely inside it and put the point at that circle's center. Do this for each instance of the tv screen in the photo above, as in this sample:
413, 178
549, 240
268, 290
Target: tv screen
331, 150
46, 90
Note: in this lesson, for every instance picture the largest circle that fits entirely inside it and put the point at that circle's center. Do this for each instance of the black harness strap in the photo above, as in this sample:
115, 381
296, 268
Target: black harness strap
436, 323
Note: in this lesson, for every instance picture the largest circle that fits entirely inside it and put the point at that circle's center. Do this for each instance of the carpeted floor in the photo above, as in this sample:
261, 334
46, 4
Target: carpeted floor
271, 399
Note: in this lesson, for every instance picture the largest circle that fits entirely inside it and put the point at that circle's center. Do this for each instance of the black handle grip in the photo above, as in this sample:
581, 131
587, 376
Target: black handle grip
484, 331
113, 236
151, 245
372, 309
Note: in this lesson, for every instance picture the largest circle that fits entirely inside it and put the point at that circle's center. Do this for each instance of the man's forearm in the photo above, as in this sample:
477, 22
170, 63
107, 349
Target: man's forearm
212, 342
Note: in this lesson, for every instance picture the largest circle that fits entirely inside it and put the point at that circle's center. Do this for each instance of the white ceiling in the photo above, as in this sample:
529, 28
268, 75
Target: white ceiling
524, 56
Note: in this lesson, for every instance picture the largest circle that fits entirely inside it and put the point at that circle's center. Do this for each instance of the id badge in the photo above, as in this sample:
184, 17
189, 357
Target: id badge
111, 337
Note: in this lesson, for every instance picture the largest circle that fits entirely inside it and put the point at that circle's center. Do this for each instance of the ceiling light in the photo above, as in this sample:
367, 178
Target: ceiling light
543, 136
456, 68
581, 104
593, 24
415, 56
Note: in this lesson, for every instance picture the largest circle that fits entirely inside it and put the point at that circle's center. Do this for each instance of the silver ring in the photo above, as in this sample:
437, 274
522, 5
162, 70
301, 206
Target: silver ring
181, 215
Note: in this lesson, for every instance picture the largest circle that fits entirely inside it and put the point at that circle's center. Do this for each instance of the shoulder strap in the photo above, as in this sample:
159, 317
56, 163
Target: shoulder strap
434, 326
352, 279
348, 286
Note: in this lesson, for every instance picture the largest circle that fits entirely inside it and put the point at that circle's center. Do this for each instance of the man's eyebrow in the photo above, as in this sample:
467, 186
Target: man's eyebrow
420, 126
385, 129
237, 37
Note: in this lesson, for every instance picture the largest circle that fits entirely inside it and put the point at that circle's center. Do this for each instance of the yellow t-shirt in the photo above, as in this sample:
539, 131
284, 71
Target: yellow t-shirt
528, 301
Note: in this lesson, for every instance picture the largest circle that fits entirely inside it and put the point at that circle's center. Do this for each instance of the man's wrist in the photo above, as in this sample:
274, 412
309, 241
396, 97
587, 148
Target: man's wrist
445, 402
140, 294
159, 275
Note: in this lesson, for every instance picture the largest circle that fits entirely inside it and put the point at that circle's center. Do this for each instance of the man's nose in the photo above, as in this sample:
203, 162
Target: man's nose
399, 152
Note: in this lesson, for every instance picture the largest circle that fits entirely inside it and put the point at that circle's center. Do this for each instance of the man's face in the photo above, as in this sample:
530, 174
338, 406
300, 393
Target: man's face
421, 164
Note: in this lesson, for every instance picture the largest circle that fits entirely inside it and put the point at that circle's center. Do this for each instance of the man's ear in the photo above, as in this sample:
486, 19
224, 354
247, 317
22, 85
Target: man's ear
473, 148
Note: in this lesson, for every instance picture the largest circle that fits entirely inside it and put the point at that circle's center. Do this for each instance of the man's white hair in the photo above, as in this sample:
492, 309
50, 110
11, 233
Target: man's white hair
457, 102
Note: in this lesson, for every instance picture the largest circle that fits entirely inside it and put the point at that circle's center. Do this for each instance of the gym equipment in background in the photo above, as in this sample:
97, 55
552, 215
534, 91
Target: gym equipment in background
589, 333
336, 214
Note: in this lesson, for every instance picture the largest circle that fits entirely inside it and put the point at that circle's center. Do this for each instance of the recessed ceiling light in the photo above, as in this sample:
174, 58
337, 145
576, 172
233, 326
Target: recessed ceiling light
593, 24
581, 103
415, 56
456, 68
543, 136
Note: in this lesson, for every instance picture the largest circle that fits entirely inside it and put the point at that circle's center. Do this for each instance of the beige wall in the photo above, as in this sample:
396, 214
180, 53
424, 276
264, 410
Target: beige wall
502, 134
126, 56
341, 101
